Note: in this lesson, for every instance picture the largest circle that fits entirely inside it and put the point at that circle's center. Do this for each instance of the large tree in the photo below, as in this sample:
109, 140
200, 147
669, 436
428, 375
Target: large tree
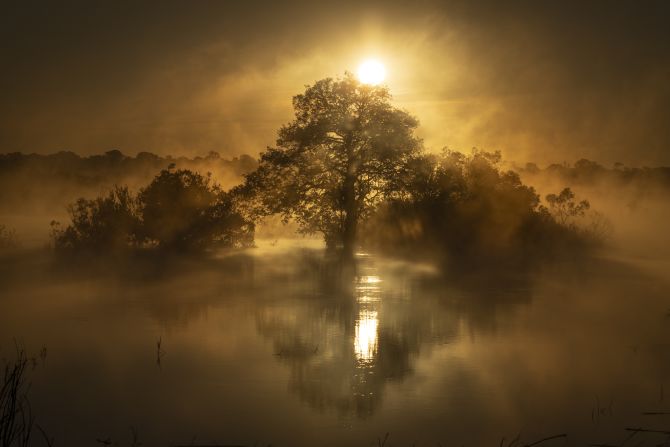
347, 150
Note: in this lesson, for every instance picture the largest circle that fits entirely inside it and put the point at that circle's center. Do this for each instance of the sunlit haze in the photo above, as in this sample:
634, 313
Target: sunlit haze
371, 72
335, 223
541, 81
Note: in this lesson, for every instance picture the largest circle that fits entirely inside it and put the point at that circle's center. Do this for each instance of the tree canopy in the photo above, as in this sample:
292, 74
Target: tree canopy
347, 150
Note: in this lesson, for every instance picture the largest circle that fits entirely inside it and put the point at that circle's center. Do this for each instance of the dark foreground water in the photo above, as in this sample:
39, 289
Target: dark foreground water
273, 349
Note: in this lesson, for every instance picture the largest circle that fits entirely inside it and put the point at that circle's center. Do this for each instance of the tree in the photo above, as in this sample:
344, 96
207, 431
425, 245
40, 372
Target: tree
564, 208
107, 223
460, 207
182, 209
346, 150
178, 210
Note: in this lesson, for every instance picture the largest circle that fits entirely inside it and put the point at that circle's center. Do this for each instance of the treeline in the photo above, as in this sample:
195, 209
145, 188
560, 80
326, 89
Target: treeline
453, 206
30, 181
586, 172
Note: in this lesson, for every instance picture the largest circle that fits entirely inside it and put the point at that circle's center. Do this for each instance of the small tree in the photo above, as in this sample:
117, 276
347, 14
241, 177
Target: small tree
107, 223
179, 210
346, 151
564, 207
182, 209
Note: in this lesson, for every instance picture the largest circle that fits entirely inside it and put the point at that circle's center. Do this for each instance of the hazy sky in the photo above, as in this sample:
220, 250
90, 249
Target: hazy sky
542, 81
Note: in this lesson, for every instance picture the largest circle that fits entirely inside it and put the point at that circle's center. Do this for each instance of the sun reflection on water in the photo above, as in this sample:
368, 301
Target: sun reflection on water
365, 338
368, 298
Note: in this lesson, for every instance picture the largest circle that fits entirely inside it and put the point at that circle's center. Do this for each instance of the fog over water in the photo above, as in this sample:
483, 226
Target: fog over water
218, 229
258, 346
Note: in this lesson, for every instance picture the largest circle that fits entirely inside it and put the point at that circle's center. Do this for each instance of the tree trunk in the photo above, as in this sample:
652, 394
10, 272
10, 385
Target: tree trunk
350, 208
351, 217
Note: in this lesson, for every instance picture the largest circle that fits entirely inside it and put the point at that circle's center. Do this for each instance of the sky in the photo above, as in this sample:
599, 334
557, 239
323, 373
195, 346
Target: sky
548, 82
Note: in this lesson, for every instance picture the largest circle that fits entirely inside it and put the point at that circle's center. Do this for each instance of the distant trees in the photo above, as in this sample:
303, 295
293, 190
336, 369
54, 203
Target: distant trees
66, 176
346, 151
180, 210
589, 173
564, 207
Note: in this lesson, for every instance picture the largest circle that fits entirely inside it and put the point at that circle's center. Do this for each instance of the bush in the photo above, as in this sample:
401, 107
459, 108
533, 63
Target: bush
183, 210
105, 224
179, 210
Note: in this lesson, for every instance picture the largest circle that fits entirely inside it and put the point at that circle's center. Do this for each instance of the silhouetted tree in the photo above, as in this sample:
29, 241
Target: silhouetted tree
564, 207
467, 209
107, 223
179, 210
345, 152
182, 209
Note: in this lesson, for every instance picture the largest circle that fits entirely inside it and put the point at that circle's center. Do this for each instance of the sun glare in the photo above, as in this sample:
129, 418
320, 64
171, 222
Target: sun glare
371, 72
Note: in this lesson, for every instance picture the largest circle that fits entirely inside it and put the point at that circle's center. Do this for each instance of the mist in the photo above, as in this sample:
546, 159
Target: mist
547, 83
220, 226
633, 201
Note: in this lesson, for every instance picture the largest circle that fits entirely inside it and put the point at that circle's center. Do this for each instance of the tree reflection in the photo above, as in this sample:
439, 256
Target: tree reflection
363, 326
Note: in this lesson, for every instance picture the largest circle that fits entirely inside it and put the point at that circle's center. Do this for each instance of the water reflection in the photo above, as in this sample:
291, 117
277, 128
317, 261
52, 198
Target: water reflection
365, 339
354, 329
367, 293
253, 347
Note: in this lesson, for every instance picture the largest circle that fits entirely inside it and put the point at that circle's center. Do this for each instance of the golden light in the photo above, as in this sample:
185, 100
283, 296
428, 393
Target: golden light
365, 336
371, 72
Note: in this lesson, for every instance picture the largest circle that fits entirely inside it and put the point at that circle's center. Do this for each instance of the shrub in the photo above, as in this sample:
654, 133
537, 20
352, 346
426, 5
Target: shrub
183, 210
179, 210
104, 224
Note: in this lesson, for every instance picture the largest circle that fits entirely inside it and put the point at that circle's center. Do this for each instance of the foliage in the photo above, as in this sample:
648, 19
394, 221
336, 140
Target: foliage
579, 216
178, 210
467, 207
564, 208
182, 209
107, 223
345, 152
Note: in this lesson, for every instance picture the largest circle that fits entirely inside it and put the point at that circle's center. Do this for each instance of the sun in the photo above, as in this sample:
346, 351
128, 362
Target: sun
372, 72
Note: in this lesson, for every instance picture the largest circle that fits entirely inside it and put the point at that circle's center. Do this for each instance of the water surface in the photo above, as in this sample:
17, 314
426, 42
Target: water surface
287, 347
